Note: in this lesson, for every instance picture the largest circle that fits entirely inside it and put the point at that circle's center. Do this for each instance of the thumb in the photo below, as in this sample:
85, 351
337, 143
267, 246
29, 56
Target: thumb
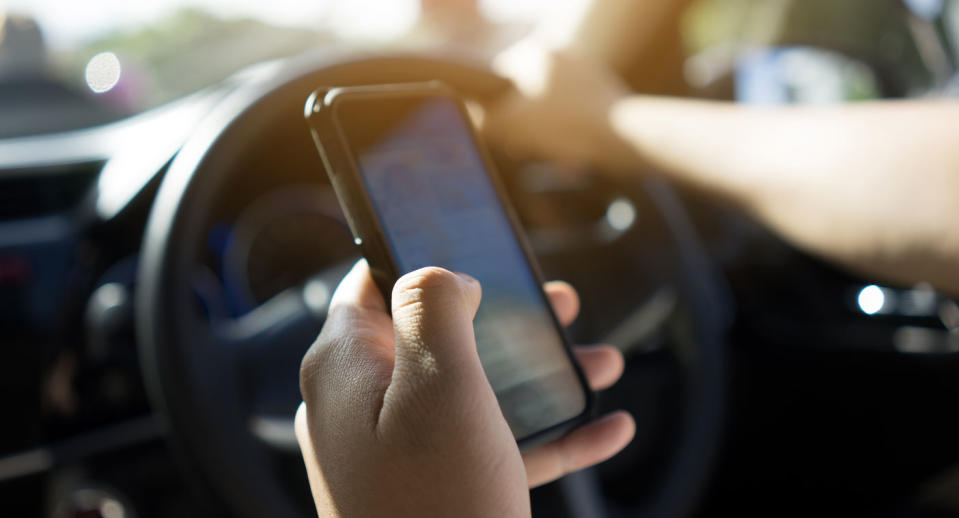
436, 356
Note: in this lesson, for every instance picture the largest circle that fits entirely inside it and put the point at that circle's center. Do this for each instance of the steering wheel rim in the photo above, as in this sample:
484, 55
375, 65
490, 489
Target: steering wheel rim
179, 351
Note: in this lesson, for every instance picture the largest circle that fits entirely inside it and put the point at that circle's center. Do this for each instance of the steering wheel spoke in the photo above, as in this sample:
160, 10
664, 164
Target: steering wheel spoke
267, 344
283, 322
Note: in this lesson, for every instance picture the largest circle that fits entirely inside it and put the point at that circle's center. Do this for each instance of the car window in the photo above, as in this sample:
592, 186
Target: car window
66, 65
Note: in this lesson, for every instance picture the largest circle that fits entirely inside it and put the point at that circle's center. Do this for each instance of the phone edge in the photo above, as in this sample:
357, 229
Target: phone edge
318, 114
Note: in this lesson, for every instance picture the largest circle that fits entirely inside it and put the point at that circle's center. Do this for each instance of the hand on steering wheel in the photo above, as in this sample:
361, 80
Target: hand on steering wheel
399, 418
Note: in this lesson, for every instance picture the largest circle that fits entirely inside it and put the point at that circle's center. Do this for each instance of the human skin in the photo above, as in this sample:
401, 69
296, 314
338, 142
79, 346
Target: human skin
871, 186
399, 419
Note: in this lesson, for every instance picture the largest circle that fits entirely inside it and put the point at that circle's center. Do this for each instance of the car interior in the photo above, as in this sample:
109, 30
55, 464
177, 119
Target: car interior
166, 262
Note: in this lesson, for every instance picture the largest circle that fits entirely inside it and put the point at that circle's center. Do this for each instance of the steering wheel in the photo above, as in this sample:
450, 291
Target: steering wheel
212, 381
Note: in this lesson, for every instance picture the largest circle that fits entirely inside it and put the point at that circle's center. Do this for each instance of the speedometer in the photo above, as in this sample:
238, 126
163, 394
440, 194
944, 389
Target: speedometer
281, 240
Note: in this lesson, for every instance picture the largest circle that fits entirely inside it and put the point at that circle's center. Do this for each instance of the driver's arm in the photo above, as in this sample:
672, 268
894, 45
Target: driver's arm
873, 186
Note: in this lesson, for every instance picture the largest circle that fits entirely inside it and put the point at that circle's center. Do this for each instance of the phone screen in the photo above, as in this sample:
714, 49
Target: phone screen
438, 206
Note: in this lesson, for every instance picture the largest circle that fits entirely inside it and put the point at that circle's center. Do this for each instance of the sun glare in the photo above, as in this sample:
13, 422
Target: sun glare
373, 19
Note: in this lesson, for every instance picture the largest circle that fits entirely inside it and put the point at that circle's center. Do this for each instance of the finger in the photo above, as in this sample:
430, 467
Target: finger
354, 348
313, 472
564, 300
588, 445
357, 289
602, 364
354, 303
433, 312
302, 432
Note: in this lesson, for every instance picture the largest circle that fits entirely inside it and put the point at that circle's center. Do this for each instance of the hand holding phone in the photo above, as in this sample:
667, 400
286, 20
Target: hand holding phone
385, 433
419, 190
399, 416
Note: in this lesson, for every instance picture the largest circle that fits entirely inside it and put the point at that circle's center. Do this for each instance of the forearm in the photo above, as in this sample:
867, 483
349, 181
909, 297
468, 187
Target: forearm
874, 186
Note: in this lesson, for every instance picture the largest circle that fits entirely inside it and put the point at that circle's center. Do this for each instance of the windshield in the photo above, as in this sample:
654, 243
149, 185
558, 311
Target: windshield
67, 65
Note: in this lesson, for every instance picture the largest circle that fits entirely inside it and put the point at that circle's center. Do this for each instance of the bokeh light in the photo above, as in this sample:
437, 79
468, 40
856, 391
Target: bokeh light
103, 72
871, 299
621, 214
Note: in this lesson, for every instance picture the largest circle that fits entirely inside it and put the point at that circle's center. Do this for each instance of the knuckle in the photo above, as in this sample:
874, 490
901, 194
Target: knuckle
320, 356
431, 277
424, 286
312, 366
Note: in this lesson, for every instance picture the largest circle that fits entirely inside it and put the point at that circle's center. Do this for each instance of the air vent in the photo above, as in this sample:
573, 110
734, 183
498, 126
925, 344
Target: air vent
28, 193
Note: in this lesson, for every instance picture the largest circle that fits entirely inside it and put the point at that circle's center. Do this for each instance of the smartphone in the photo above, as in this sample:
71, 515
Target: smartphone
418, 189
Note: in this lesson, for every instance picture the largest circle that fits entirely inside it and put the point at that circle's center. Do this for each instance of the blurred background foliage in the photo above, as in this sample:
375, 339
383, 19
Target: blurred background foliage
185, 50
189, 50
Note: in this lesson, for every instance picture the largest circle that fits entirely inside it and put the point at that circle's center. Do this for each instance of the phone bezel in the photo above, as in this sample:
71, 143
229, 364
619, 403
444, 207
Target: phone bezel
321, 114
